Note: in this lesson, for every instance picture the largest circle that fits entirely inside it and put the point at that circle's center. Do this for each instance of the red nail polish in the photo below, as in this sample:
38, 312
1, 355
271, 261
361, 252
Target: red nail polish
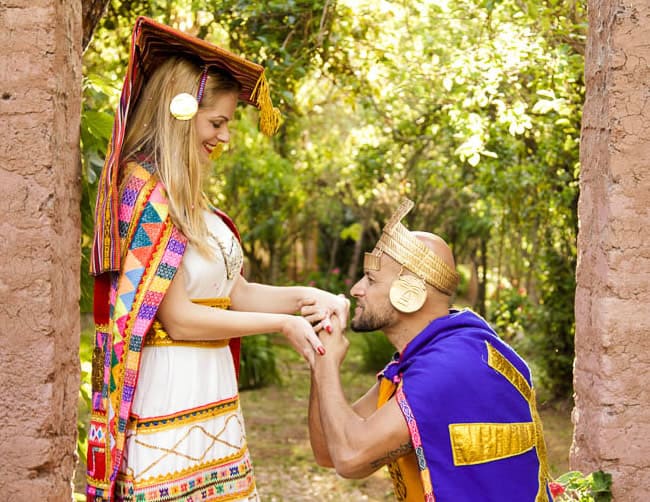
321, 350
329, 328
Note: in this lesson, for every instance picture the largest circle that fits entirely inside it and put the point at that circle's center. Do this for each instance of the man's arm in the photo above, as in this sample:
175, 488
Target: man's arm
365, 406
356, 445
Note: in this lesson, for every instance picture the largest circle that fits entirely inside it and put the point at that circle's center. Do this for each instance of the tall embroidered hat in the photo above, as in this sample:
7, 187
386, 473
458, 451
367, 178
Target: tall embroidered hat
407, 250
152, 43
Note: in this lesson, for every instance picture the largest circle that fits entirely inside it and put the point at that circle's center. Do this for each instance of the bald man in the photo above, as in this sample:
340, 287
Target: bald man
453, 414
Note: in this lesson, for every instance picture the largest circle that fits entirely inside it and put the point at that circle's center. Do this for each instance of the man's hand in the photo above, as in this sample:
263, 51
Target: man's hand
335, 343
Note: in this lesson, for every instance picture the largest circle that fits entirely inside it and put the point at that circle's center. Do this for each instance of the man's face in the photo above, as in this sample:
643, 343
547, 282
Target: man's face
374, 311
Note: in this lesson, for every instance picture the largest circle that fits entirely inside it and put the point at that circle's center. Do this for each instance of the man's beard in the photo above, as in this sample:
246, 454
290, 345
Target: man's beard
372, 321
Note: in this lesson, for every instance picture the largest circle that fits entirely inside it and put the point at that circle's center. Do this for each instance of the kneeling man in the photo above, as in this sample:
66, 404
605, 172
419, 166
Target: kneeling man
453, 415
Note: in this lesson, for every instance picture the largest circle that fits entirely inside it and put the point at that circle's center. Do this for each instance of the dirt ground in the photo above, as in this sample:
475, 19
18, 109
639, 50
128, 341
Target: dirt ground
276, 424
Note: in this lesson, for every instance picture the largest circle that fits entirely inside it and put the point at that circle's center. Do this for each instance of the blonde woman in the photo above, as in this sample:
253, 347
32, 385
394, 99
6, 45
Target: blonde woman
170, 301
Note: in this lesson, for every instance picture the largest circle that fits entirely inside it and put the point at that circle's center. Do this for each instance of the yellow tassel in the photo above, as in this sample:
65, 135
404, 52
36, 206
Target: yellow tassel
269, 115
216, 151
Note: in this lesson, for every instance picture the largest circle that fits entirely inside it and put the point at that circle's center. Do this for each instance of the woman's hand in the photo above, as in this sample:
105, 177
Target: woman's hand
318, 309
302, 337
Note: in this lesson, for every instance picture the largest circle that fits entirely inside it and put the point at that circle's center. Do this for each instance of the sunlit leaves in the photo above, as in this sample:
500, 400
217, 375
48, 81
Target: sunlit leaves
469, 107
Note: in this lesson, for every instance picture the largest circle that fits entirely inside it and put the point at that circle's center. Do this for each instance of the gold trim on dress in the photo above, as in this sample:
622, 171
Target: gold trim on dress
158, 337
175, 449
156, 424
240, 457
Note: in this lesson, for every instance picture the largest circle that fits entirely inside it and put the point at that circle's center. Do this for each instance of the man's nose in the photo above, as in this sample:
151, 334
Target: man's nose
357, 290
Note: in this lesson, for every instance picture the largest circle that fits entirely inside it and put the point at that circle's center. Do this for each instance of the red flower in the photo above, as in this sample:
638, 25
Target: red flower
556, 488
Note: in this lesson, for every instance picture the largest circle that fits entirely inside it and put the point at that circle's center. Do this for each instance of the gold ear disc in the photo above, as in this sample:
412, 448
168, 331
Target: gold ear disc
408, 293
183, 106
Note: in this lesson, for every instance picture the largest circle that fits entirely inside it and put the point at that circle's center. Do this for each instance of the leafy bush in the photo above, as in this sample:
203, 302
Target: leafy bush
553, 330
333, 281
85, 393
573, 485
511, 314
258, 366
376, 351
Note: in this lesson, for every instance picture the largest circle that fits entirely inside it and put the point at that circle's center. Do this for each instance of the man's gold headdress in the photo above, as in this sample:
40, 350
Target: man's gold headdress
408, 293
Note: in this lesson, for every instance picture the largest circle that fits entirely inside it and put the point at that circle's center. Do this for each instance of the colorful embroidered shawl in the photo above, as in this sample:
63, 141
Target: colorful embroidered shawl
468, 401
125, 305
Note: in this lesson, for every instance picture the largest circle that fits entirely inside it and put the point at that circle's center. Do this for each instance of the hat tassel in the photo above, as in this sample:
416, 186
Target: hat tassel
269, 115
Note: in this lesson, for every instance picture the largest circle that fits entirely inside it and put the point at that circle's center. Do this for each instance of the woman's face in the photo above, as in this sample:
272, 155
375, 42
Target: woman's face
212, 123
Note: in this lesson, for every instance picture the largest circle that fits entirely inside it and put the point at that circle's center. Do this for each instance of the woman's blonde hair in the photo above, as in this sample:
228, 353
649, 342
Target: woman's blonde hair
171, 144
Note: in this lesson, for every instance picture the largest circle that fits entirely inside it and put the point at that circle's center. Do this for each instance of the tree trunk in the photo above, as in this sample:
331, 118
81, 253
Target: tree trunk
92, 11
358, 246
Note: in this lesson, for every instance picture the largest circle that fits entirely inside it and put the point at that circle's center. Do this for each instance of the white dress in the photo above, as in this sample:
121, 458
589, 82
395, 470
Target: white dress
186, 439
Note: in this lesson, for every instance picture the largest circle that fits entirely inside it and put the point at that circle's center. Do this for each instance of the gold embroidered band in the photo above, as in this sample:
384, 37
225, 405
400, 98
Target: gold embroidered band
158, 337
397, 242
184, 418
498, 361
476, 443
97, 374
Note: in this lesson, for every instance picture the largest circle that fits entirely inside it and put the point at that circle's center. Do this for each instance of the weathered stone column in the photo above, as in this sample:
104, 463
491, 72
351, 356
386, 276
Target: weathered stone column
40, 105
612, 367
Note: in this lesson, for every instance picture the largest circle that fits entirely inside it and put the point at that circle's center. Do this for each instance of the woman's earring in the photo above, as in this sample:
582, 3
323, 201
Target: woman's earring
216, 151
183, 106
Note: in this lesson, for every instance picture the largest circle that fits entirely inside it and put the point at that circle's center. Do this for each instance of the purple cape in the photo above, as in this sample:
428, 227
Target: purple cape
444, 378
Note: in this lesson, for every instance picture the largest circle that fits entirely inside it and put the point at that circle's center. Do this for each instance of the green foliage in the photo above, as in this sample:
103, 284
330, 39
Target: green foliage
333, 280
470, 108
257, 365
595, 487
510, 313
376, 351
554, 329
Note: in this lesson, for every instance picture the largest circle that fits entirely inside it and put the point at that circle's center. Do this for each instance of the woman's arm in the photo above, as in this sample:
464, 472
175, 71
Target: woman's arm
184, 320
314, 303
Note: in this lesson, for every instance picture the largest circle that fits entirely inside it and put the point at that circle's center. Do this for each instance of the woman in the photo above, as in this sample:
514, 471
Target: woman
170, 302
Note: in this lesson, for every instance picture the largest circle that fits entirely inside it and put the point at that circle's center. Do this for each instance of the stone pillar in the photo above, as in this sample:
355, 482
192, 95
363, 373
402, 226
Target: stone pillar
612, 366
40, 106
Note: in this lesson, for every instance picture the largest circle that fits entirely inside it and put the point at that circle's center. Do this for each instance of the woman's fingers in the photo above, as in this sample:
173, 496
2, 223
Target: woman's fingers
314, 314
315, 342
342, 310
303, 337
325, 324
